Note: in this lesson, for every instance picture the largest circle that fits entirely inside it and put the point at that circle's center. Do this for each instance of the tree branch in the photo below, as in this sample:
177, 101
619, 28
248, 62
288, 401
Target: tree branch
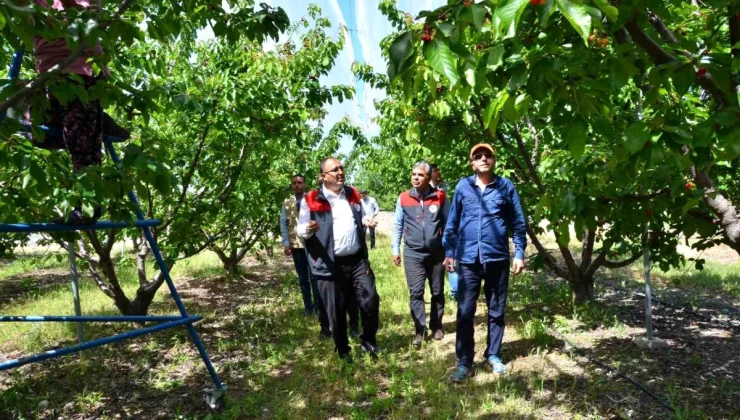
547, 258
188, 177
655, 51
589, 238
621, 264
525, 156
636, 198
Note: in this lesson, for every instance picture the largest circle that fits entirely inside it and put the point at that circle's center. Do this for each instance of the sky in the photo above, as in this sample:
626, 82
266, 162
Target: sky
366, 27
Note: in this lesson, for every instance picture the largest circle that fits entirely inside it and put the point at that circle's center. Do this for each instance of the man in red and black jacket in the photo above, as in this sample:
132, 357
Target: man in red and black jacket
420, 217
330, 222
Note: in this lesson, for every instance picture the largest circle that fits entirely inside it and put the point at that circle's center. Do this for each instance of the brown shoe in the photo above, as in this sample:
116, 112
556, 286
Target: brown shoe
418, 338
439, 334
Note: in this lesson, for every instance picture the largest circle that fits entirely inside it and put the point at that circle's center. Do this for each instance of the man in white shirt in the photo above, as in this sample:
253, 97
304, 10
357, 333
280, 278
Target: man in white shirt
370, 210
330, 222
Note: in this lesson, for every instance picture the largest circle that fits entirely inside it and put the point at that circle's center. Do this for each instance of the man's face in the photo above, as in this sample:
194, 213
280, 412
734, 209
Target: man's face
419, 178
333, 174
482, 161
436, 175
363, 195
298, 185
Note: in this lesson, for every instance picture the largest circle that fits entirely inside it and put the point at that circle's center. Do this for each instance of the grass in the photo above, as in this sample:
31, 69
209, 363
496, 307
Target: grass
271, 358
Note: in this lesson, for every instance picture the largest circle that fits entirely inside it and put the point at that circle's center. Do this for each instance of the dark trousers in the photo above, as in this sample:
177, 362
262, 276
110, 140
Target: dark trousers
495, 276
300, 260
82, 128
419, 268
352, 277
372, 236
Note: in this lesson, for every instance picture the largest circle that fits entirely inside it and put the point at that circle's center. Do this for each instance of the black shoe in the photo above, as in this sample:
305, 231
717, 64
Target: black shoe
76, 218
418, 338
111, 128
324, 334
346, 358
354, 333
372, 349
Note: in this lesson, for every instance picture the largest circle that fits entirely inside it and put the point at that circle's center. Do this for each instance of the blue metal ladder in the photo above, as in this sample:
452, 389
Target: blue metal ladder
213, 396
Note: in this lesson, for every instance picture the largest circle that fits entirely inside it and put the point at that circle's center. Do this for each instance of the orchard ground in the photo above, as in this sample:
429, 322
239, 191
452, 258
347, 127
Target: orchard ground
270, 356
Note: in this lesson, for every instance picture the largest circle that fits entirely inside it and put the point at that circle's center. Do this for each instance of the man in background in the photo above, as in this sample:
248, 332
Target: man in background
438, 183
370, 210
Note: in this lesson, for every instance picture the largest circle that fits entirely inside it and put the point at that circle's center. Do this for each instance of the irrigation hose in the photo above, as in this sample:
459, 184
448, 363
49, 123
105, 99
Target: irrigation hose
614, 370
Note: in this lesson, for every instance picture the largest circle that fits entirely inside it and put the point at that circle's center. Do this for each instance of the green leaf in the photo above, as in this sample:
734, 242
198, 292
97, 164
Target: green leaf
479, 14
683, 77
400, 52
576, 136
460, 49
441, 59
522, 103
541, 205
491, 113
496, 57
690, 204
509, 109
467, 117
610, 11
636, 136
470, 76
445, 28
506, 17
578, 17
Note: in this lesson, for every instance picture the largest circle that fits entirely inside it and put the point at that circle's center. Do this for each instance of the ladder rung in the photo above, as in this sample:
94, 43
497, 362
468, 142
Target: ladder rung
53, 227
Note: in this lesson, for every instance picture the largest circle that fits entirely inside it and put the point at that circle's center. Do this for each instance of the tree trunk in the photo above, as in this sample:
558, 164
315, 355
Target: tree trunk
582, 288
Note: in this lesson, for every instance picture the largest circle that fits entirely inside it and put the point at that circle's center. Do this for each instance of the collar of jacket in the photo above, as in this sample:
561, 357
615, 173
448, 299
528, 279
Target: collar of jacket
351, 193
413, 192
471, 179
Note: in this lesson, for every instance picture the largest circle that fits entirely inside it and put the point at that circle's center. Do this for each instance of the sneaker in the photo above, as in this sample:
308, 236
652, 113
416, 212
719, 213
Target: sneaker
496, 364
418, 338
460, 374
439, 334
324, 334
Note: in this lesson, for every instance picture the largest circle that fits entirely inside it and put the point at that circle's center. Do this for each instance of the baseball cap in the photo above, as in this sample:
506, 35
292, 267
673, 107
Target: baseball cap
482, 146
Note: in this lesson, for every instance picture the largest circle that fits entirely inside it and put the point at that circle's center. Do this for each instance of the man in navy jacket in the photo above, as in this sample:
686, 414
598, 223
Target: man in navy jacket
485, 211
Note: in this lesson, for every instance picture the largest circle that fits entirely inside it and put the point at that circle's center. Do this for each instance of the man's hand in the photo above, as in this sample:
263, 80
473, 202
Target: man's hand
449, 264
397, 260
313, 226
287, 251
517, 266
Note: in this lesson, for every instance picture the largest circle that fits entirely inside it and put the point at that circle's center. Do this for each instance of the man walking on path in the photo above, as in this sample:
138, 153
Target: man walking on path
330, 221
420, 217
293, 246
437, 183
370, 210
485, 210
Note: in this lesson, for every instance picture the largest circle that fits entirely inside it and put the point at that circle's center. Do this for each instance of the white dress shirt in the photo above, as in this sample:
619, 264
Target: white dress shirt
344, 227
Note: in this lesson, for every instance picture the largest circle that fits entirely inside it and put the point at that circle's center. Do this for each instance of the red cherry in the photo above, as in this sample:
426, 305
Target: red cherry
649, 213
701, 72
689, 186
426, 38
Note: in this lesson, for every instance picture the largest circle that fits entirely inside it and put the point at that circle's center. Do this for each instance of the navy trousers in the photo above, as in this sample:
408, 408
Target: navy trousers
495, 278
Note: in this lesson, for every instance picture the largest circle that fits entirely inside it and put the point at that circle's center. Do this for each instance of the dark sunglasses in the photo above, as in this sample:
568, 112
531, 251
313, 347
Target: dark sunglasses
478, 156
335, 170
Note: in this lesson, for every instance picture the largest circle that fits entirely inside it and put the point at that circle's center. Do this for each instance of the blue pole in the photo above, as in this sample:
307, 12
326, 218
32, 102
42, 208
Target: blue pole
15, 69
166, 272
53, 227
92, 318
93, 343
